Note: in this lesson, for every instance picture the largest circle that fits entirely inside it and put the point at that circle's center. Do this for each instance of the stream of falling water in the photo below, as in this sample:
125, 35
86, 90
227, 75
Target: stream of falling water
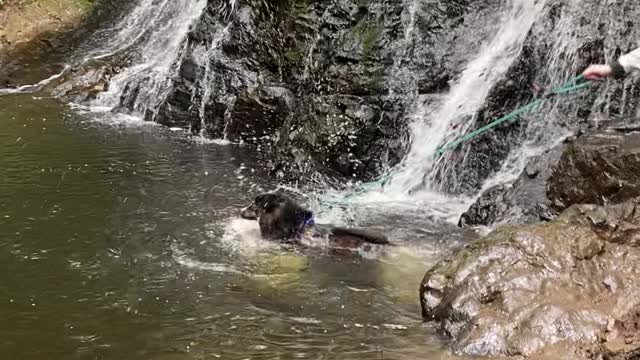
433, 125
165, 25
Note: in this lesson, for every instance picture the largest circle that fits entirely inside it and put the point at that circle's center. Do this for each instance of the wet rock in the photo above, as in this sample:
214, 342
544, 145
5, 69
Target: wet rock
597, 169
319, 86
522, 290
255, 116
85, 83
523, 201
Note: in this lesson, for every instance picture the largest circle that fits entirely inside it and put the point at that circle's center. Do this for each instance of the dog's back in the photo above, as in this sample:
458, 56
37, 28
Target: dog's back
281, 218
361, 234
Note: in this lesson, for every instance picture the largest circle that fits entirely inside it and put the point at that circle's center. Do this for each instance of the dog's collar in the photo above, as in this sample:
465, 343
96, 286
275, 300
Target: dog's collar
308, 221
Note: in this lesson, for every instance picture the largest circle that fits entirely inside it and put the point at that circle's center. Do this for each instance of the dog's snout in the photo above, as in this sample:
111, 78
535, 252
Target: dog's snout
249, 213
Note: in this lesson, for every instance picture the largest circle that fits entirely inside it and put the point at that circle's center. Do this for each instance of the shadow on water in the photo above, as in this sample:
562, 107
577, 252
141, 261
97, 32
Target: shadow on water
120, 240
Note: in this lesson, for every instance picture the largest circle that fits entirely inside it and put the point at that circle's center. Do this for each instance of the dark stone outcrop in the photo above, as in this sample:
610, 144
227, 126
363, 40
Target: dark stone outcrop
524, 201
597, 169
523, 289
600, 167
316, 86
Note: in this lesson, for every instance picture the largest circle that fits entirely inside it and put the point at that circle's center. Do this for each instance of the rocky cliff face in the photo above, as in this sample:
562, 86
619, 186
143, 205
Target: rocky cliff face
331, 85
319, 85
328, 85
522, 289
311, 84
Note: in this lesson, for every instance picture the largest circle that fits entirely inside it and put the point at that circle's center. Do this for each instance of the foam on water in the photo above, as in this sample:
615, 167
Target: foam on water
105, 116
243, 236
186, 261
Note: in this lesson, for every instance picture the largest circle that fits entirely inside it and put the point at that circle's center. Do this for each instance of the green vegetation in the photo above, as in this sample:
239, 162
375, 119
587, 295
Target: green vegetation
368, 33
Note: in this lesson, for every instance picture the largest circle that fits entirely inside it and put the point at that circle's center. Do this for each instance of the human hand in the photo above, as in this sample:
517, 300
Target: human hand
597, 72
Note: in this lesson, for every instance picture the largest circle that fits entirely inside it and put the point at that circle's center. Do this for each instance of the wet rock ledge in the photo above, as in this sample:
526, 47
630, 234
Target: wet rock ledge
569, 288
601, 167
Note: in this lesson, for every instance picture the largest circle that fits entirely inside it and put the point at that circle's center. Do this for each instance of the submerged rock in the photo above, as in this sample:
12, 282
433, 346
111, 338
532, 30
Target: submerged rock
523, 289
85, 83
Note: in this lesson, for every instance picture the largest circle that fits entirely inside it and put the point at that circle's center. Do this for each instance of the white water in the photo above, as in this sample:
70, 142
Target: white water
432, 125
156, 31
160, 28
545, 131
205, 57
431, 128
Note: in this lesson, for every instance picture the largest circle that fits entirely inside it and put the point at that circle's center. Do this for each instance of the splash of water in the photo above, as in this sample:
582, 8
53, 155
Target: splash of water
206, 59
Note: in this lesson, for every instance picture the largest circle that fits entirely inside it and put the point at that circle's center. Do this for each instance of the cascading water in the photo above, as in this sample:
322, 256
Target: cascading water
545, 132
154, 35
431, 128
150, 44
201, 95
562, 42
433, 123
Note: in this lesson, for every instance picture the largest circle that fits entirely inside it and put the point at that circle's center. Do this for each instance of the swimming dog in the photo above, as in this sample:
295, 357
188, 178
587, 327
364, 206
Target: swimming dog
282, 219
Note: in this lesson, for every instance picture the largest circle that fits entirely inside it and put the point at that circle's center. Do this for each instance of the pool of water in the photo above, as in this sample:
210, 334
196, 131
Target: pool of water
121, 240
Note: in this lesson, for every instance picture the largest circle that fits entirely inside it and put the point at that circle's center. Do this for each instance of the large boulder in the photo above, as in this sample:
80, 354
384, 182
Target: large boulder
523, 289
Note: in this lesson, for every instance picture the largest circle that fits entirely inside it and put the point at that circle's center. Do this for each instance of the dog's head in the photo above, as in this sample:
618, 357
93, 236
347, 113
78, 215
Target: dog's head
262, 205
279, 216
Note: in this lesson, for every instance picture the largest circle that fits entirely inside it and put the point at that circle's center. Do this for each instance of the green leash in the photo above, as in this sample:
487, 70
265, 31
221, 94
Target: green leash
571, 86
575, 84
509, 117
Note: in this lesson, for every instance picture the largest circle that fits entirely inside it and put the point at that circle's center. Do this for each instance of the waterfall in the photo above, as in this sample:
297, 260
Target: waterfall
153, 35
204, 57
434, 121
432, 127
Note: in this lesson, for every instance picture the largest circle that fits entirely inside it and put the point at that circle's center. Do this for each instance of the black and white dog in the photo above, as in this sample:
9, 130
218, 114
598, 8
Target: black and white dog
282, 219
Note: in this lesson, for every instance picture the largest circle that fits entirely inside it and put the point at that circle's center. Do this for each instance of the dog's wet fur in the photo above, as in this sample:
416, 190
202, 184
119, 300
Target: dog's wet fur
282, 219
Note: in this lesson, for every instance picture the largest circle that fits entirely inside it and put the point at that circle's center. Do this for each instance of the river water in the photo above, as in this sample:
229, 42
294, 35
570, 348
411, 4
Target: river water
120, 240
